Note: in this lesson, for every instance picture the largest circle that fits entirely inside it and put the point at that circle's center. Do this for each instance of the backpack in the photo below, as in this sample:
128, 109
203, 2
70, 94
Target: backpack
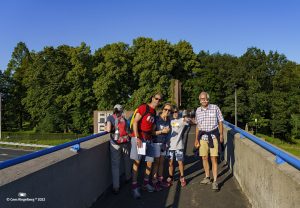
132, 117
120, 134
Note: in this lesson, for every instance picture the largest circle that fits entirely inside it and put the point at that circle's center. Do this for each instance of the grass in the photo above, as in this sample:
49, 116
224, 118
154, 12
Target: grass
21, 147
29, 137
293, 148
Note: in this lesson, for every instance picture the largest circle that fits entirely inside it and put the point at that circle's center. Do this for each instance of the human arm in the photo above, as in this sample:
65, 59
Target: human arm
220, 122
221, 131
165, 130
136, 120
197, 144
108, 126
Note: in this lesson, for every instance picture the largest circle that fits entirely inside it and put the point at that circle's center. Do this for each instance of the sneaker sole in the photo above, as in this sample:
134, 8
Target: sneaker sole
206, 183
145, 189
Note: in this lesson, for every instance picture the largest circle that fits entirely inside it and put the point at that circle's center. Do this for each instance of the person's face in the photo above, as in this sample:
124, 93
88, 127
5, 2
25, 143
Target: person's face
166, 110
175, 114
156, 100
203, 100
119, 113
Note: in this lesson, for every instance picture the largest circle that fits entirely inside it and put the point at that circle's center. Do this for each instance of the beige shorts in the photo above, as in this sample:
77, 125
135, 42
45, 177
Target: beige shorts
205, 150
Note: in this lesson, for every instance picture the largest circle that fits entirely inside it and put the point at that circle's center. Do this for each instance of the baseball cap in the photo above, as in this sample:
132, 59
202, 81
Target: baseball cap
119, 107
184, 113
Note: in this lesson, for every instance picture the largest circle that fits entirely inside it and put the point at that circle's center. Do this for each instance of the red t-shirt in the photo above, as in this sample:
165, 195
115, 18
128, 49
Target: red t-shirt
146, 123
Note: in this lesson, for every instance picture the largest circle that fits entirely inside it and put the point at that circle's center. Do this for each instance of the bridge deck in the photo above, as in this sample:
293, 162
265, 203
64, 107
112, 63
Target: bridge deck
193, 195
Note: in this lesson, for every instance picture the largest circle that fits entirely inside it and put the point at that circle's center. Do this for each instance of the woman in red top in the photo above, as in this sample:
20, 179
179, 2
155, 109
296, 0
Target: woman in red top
143, 125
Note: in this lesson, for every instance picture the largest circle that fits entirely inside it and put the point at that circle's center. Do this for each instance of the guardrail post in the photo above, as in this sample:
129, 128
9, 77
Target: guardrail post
75, 148
279, 160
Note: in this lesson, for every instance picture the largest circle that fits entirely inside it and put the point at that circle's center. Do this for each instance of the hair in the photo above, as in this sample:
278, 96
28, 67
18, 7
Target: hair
175, 108
169, 104
116, 111
207, 95
156, 93
153, 95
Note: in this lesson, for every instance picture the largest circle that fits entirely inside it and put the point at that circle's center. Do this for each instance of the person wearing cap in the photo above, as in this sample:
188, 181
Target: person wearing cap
209, 136
119, 146
176, 145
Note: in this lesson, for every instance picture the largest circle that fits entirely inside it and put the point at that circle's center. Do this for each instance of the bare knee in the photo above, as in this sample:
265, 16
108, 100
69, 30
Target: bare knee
204, 158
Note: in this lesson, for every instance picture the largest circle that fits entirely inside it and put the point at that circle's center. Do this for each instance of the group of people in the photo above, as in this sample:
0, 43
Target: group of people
154, 138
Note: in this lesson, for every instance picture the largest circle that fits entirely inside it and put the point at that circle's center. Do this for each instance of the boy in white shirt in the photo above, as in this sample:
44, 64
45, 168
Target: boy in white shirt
176, 145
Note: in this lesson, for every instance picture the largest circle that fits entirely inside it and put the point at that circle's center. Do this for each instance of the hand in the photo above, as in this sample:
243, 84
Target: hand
165, 130
221, 138
139, 142
197, 144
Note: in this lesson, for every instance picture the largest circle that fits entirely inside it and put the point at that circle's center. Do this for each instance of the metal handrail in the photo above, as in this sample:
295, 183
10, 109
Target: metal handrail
42, 152
276, 151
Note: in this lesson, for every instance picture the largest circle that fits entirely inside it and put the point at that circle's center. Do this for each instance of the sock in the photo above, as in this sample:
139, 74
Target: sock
134, 185
146, 181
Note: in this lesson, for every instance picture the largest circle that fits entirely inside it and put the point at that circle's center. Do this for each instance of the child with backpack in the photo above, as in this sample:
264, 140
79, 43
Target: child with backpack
119, 146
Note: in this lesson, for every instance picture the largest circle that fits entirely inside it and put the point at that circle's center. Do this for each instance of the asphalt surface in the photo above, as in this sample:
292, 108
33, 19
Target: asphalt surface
193, 195
6, 153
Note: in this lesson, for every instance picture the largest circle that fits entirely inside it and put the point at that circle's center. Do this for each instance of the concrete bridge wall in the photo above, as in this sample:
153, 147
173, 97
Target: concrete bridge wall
265, 183
59, 179
68, 179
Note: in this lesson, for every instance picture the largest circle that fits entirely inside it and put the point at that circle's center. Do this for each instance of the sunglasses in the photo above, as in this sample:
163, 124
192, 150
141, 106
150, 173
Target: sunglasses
175, 111
159, 99
165, 109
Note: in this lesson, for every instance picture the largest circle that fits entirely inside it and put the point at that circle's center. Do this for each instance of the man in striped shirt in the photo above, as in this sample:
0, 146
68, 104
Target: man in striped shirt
209, 135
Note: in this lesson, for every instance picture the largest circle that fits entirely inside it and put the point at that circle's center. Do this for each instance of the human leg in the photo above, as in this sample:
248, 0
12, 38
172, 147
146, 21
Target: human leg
127, 161
115, 154
214, 161
135, 166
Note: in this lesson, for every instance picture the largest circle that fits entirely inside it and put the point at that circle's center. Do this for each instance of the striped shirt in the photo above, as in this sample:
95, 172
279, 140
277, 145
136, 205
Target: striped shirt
208, 119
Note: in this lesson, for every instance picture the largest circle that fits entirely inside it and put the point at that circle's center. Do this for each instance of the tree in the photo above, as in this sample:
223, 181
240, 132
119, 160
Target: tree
46, 83
285, 100
80, 101
16, 70
154, 63
114, 82
185, 70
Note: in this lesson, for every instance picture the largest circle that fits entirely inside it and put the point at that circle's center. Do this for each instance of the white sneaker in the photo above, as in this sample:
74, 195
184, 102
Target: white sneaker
148, 188
136, 193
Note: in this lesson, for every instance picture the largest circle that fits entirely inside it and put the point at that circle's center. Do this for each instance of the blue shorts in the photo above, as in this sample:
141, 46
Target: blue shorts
176, 153
159, 149
149, 157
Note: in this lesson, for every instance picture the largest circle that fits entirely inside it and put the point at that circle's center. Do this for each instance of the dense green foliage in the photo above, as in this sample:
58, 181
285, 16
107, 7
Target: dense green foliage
57, 89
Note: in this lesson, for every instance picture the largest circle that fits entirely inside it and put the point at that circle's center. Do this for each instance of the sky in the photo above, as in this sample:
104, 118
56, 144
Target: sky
224, 26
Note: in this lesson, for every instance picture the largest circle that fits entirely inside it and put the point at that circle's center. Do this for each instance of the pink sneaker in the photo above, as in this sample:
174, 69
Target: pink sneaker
157, 186
164, 184
170, 181
182, 181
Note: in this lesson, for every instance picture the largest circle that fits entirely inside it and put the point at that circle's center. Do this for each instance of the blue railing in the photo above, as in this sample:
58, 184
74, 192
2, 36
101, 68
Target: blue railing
39, 153
277, 152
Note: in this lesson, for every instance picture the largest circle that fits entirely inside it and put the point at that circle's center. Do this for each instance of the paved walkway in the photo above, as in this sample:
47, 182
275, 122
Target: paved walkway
193, 195
7, 153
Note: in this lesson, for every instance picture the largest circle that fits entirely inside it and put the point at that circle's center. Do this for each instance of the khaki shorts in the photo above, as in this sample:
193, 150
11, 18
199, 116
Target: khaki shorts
204, 149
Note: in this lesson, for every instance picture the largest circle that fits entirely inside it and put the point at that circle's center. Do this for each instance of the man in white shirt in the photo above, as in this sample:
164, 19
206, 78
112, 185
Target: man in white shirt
209, 135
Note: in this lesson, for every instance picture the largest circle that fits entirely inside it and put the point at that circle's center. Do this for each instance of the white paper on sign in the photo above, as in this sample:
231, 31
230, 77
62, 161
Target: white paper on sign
142, 150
